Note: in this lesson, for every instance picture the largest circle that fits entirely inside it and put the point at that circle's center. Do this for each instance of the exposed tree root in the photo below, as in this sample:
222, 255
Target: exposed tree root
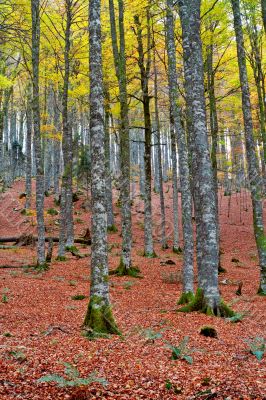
199, 303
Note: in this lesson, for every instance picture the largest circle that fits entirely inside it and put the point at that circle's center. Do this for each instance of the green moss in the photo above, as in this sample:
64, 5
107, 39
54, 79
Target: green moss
150, 255
61, 258
185, 298
177, 250
72, 249
199, 303
261, 292
121, 270
78, 297
112, 229
99, 320
52, 211
42, 267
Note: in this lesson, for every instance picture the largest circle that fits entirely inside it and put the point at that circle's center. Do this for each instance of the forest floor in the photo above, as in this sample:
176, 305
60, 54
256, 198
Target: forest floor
40, 323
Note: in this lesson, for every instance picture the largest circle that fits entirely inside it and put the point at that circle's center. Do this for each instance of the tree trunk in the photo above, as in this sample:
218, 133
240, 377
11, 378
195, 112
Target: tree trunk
35, 13
28, 151
159, 157
253, 168
202, 174
263, 9
99, 319
120, 68
66, 213
186, 198
144, 68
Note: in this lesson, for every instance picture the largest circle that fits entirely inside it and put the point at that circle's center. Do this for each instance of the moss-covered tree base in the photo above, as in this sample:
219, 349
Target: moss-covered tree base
122, 270
165, 246
61, 258
185, 298
150, 255
261, 292
177, 250
42, 267
112, 229
99, 320
199, 303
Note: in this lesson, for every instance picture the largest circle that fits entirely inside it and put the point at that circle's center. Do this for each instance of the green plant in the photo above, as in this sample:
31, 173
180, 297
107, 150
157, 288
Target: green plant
257, 347
171, 386
7, 334
78, 297
4, 298
181, 352
128, 285
72, 283
238, 317
79, 221
18, 355
150, 335
52, 211
73, 378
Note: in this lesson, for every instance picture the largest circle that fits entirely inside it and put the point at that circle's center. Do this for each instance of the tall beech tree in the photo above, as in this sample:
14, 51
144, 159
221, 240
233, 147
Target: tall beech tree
66, 213
144, 63
186, 197
35, 14
119, 53
99, 318
202, 173
255, 180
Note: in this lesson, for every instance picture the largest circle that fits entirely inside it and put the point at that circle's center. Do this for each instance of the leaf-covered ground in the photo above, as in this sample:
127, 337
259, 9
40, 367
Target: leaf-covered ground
40, 323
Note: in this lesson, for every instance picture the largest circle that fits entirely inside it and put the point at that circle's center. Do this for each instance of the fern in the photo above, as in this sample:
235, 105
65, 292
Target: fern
181, 352
73, 378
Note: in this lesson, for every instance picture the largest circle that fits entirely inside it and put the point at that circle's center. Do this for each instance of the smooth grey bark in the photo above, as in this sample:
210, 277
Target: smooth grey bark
225, 158
56, 147
186, 197
144, 64
159, 157
99, 315
35, 14
202, 174
109, 192
255, 59
176, 245
253, 168
28, 151
66, 212
119, 53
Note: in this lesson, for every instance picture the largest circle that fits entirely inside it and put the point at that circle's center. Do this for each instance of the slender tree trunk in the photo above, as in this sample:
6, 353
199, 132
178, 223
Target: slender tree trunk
66, 212
202, 174
144, 68
253, 168
56, 148
159, 157
186, 197
28, 151
120, 68
99, 319
109, 194
35, 13
176, 246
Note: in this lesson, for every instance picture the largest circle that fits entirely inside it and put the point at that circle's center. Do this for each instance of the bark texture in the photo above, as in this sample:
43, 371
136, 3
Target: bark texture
99, 315
255, 180
186, 197
35, 13
202, 173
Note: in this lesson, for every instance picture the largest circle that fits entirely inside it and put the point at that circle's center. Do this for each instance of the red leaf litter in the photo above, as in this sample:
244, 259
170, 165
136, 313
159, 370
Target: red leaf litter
40, 323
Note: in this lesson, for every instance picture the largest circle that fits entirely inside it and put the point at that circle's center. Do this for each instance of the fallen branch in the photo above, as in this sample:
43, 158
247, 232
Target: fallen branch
54, 239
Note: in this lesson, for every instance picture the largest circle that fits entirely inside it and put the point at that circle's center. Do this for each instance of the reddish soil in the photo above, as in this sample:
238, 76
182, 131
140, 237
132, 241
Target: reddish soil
40, 325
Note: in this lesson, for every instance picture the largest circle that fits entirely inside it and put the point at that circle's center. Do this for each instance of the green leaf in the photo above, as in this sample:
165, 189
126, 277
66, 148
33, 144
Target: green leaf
70, 370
